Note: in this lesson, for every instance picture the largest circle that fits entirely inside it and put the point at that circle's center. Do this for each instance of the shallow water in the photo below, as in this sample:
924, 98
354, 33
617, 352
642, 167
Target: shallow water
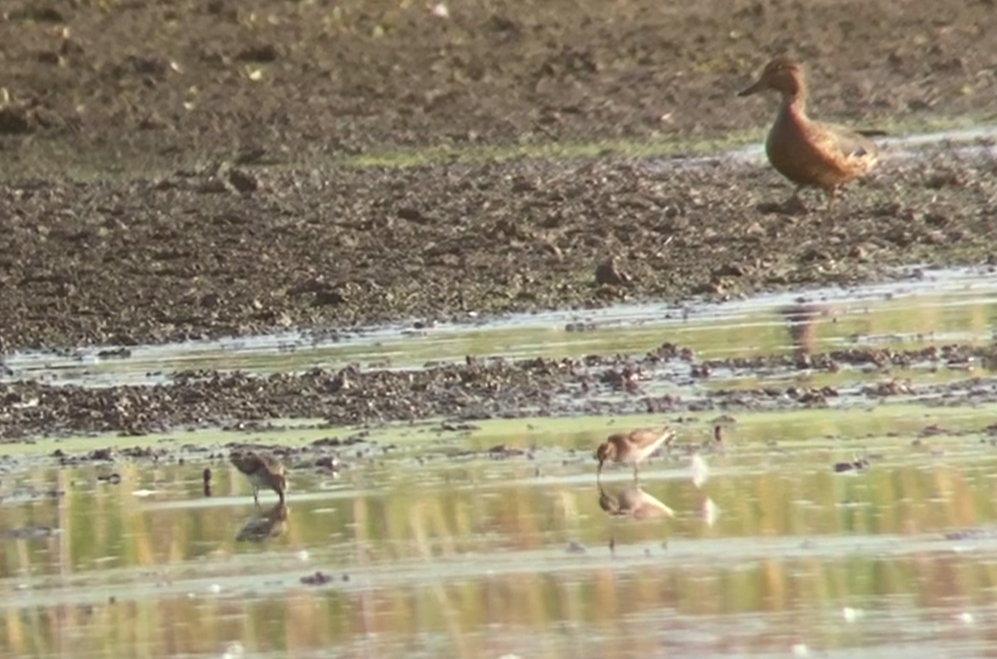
939, 306
434, 548
969, 141
433, 542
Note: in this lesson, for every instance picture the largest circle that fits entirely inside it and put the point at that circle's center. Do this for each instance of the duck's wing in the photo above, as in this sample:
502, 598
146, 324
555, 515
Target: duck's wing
849, 143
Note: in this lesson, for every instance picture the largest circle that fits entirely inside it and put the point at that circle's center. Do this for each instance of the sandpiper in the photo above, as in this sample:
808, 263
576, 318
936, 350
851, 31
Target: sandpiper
632, 447
261, 471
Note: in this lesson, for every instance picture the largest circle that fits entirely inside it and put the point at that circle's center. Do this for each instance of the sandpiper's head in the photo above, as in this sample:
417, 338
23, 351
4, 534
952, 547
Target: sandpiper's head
606, 451
240, 460
782, 74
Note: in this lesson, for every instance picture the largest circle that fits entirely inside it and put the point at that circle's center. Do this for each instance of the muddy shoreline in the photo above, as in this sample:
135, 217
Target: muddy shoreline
237, 237
121, 84
156, 183
476, 390
175, 258
234, 236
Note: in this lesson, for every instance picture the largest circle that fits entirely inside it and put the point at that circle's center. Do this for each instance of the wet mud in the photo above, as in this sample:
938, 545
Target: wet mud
234, 234
482, 389
265, 81
325, 181
124, 263
212, 193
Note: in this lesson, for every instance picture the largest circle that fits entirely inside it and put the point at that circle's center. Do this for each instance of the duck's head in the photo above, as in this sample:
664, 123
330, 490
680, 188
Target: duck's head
782, 74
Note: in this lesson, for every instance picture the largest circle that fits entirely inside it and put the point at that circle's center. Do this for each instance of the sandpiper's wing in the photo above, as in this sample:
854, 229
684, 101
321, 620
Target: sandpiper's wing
251, 462
645, 438
271, 464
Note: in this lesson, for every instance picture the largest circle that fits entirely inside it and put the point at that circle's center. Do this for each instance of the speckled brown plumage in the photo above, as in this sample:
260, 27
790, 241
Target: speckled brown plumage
261, 471
632, 447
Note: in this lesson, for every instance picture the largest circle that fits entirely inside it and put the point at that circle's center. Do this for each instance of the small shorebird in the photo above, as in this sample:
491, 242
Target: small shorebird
632, 447
261, 471
810, 153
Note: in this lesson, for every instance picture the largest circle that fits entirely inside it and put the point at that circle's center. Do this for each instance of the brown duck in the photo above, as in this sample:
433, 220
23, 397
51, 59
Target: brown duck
810, 153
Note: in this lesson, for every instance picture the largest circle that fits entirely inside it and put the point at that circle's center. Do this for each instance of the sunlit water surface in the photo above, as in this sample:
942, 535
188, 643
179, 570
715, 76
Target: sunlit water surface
425, 554
427, 544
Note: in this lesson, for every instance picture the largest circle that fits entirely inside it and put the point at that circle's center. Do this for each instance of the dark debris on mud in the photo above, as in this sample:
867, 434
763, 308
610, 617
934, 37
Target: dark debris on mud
163, 79
240, 246
476, 389
259, 225
102, 263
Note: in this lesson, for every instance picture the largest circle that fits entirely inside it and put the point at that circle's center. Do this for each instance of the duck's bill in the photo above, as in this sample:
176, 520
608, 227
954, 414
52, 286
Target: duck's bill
753, 89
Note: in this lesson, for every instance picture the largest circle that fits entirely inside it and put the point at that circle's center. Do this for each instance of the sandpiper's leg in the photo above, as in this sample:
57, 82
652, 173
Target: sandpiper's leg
636, 475
256, 495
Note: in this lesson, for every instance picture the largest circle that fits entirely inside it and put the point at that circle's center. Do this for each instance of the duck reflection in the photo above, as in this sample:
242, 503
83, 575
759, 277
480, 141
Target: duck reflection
264, 525
801, 322
634, 502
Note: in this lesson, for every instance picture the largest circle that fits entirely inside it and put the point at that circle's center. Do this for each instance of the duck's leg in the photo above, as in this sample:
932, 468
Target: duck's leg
794, 205
832, 195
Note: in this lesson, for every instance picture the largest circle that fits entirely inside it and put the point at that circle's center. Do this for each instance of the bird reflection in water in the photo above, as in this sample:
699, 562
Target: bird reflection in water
631, 501
801, 323
634, 502
264, 525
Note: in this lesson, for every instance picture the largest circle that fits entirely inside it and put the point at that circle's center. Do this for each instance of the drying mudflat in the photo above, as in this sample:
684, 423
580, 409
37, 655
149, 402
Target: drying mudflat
430, 255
